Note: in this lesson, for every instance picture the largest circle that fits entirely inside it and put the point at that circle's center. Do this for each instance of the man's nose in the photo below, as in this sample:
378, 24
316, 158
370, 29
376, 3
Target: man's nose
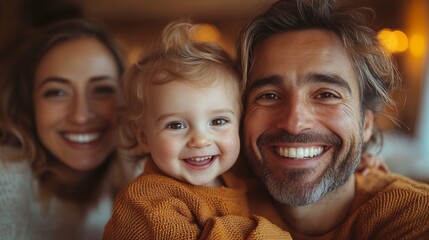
295, 117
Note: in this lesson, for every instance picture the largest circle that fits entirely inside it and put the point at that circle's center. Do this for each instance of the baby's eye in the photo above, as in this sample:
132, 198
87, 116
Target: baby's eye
176, 125
219, 121
54, 93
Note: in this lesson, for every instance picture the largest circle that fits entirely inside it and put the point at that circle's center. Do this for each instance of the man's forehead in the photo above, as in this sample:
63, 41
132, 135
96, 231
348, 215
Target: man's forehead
301, 55
309, 39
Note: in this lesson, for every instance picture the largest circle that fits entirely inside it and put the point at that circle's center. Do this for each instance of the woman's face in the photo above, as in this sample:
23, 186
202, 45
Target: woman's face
76, 94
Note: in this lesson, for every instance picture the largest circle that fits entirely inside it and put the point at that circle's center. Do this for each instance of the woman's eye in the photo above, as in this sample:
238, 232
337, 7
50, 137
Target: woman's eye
104, 90
176, 125
54, 93
219, 121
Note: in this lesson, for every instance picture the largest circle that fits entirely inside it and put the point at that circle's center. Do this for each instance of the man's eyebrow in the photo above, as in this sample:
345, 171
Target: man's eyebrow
261, 82
330, 79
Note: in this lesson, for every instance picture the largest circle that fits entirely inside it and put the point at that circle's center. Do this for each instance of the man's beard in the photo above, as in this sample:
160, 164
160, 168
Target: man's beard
291, 186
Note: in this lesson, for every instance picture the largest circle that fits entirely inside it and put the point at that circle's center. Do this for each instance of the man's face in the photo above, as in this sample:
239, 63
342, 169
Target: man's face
303, 124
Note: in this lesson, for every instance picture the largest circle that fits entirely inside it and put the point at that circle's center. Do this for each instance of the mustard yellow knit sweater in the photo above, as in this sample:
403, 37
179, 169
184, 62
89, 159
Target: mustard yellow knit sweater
155, 206
386, 207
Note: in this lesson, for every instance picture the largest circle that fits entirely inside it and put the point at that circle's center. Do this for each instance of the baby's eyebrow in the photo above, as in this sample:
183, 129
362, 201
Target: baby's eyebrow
223, 111
167, 115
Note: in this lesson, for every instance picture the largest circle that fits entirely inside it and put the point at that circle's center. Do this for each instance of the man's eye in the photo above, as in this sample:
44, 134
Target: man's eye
176, 125
268, 96
54, 93
327, 95
219, 121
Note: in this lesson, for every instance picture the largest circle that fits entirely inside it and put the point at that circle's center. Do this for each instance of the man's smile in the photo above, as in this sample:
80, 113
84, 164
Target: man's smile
299, 153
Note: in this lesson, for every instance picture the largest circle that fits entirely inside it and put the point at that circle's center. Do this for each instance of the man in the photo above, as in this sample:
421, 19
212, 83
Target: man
315, 77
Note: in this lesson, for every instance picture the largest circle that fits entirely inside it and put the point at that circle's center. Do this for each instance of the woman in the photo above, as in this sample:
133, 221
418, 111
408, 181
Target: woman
59, 168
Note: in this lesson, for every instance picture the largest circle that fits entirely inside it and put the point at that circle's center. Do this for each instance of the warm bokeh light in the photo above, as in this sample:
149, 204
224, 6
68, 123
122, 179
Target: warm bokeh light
401, 41
207, 33
394, 41
387, 39
417, 45
134, 54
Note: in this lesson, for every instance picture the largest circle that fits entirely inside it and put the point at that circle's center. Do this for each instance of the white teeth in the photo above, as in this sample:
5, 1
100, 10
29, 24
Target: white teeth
299, 152
199, 159
292, 152
81, 138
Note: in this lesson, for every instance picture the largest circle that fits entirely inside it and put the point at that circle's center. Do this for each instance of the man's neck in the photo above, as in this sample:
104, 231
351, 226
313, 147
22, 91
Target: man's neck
322, 217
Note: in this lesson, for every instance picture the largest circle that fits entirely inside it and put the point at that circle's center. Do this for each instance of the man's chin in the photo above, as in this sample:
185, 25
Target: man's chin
292, 187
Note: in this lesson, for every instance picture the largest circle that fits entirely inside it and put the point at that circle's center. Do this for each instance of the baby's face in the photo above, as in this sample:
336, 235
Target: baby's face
192, 132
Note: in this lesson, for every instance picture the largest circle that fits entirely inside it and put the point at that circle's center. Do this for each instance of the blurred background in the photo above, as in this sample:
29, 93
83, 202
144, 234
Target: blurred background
403, 26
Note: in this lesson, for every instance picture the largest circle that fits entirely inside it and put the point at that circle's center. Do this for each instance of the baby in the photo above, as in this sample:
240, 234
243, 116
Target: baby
184, 105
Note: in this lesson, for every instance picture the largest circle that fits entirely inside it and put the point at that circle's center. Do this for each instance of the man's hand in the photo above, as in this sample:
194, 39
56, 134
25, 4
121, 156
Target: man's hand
370, 161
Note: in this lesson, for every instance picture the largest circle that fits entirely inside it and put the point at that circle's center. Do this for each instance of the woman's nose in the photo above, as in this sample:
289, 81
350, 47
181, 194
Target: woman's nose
81, 110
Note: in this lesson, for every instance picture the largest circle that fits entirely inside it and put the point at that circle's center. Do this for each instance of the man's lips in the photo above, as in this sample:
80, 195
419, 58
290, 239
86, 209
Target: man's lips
303, 146
299, 152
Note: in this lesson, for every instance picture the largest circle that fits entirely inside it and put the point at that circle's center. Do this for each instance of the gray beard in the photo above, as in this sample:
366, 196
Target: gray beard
292, 188
289, 190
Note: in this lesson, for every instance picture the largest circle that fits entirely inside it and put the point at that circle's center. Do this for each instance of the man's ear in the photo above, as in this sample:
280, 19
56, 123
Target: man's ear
368, 125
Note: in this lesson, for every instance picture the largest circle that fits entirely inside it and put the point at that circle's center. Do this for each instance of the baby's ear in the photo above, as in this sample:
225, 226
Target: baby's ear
140, 135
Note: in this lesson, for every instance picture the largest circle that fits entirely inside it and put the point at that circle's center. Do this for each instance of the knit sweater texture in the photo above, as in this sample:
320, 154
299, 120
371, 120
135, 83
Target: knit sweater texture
155, 206
386, 207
